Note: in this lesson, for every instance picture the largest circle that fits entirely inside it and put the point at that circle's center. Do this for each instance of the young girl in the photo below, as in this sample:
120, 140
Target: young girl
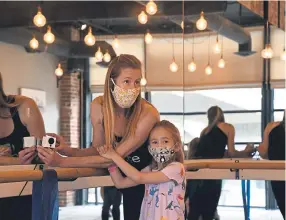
164, 179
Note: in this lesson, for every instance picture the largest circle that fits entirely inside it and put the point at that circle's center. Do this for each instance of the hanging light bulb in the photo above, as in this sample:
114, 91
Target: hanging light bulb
59, 71
202, 23
39, 19
83, 27
148, 38
217, 47
98, 54
142, 18
208, 70
49, 37
143, 81
283, 55
89, 39
115, 42
221, 63
192, 66
151, 7
267, 52
106, 57
182, 24
34, 43
173, 66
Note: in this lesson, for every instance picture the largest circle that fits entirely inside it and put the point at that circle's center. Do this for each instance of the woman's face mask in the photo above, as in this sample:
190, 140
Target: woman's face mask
125, 98
162, 154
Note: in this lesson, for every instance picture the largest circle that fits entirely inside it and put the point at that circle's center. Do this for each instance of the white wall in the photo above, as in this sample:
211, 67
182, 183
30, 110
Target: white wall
35, 71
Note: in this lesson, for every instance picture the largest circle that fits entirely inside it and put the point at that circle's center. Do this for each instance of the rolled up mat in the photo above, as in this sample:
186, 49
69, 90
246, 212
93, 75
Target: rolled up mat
45, 204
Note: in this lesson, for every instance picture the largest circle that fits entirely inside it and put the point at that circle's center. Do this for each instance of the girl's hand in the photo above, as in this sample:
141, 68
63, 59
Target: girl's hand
106, 151
49, 156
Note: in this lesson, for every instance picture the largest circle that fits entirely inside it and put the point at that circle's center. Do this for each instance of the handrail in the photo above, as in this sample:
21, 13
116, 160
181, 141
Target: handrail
67, 173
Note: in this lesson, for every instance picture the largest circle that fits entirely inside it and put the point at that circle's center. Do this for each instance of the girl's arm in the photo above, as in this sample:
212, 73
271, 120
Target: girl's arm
137, 176
120, 181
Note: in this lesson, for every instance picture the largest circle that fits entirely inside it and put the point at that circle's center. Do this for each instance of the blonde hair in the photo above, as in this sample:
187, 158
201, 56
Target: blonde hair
133, 113
215, 115
173, 130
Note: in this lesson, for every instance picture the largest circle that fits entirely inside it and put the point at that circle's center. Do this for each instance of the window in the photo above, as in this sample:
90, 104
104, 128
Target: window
279, 98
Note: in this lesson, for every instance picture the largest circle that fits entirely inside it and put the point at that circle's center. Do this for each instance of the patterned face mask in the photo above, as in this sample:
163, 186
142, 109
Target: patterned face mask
125, 98
161, 154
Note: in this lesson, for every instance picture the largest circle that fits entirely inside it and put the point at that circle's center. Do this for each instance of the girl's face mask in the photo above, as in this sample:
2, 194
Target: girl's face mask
161, 154
125, 98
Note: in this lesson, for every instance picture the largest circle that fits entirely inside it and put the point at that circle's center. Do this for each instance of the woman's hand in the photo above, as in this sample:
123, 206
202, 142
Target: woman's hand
5, 151
249, 150
61, 145
106, 151
49, 156
27, 155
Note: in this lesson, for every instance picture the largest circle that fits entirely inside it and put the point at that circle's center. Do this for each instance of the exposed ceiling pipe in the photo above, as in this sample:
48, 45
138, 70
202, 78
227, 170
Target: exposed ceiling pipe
229, 30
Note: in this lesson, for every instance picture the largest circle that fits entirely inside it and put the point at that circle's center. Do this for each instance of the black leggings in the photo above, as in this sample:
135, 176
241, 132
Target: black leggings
112, 197
203, 198
132, 200
278, 188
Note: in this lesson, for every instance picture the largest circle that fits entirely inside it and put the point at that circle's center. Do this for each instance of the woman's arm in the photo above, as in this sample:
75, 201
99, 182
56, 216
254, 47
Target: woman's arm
146, 122
232, 152
263, 147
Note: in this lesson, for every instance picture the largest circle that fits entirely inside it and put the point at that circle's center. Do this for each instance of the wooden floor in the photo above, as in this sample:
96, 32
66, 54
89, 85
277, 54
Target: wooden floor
93, 212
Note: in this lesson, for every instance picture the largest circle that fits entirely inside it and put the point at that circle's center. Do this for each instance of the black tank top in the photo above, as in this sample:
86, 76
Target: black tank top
15, 139
276, 148
140, 158
212, 145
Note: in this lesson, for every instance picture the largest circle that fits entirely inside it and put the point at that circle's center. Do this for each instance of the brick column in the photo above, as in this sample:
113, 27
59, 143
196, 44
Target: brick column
70, 120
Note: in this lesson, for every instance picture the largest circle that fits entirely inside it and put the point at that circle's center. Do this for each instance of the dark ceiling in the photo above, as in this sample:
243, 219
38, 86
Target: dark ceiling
110, 18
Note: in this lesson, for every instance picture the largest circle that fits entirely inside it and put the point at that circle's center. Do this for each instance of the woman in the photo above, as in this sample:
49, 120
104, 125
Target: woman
273, 148
19, 117
213, 140
120, 117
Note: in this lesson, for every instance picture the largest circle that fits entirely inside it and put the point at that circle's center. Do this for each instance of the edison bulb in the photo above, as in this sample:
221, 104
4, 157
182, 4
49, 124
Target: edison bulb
182, 25
143, 81
283, 55
39, 19
173, 67
151, 7
115, 42
202, 22
192, 66
34, 43
148, 38
221, 63
106, 57
217, 49
89, 39
98, 54
208, 70
267, 52
49, 37
59, 71
142, 18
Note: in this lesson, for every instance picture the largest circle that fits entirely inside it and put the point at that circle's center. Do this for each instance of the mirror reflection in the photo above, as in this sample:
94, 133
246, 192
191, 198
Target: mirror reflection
138, 87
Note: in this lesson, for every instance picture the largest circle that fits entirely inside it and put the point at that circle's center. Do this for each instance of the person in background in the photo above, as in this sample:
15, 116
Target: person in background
213, 141
273, 148
19, 118
164, 178
111, 197
119, 116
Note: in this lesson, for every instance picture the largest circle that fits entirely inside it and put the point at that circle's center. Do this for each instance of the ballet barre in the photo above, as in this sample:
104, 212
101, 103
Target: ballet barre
13, 178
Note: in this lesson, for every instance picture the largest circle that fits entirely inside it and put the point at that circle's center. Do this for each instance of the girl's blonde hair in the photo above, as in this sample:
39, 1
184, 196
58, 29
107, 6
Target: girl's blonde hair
114, 69
173, 130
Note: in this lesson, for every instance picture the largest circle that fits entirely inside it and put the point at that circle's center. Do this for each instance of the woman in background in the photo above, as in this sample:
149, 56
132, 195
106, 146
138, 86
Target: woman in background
19, 118
273, 148
213, 141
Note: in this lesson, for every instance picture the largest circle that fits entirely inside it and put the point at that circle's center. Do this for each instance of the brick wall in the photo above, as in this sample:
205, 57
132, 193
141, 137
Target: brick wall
69, 120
